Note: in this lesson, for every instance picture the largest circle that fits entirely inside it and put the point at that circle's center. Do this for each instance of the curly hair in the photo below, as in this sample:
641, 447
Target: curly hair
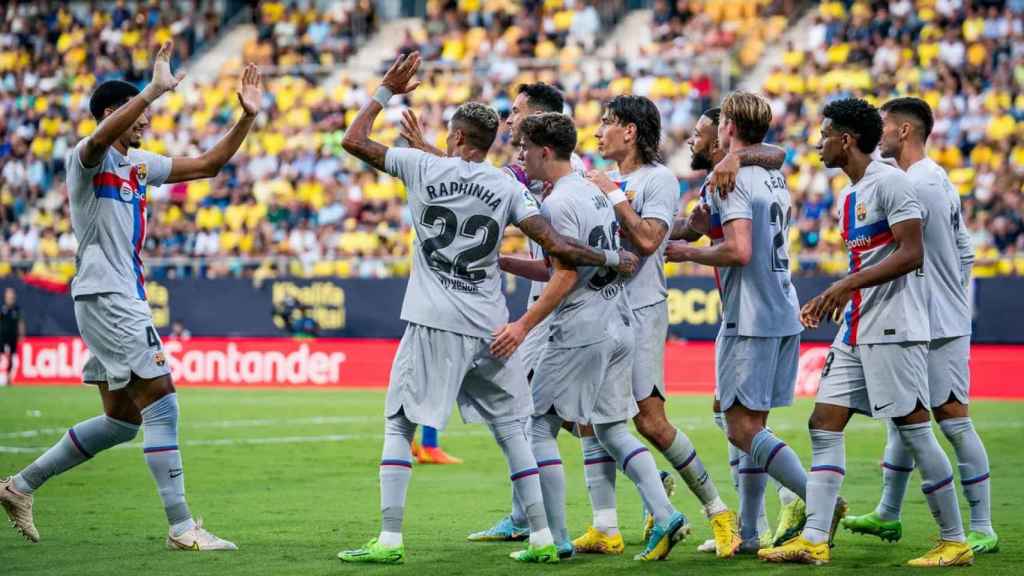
543, 97
857, 118
916, 109
644, 114
552, 129
479, 122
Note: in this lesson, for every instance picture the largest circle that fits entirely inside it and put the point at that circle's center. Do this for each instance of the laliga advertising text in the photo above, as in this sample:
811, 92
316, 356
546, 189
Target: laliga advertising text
198, 363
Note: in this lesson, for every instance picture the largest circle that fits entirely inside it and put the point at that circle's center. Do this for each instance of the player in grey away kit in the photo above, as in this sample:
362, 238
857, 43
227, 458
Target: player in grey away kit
645, 196
584, 372
758, 345
454, 305
878, 364
906, 125
107, 178
707, 154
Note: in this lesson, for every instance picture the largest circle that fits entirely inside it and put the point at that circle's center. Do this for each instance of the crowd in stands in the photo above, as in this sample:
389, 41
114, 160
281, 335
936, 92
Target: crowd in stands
292, 202
965, 58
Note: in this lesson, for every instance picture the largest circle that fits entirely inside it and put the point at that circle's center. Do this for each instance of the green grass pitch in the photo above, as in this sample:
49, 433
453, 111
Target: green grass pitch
291, 477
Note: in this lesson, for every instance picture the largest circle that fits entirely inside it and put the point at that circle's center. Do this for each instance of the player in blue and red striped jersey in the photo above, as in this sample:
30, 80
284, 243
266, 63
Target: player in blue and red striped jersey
108, 179
878, 364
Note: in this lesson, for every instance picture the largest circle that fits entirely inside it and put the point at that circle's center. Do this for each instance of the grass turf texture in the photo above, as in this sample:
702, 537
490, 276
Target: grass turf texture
291, 477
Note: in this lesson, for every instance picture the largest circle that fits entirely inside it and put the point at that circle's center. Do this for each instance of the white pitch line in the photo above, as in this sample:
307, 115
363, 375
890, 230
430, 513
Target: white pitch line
319, 439
251, 423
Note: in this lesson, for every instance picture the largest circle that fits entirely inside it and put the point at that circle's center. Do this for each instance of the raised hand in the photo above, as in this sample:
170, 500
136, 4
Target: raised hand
163, 80
411, 130
399, 79
250, 92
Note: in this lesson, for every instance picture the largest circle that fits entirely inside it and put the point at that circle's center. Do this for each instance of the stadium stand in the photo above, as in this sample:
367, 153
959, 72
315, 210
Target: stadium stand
292, 203
971, 75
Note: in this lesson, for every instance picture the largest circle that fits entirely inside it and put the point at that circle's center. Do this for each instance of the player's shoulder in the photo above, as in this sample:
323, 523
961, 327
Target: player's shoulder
889, 178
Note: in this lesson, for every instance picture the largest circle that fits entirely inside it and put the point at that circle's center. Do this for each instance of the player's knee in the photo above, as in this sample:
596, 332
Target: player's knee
655, 428
951, 409
147, 391
741, 433
818, 421
124, 412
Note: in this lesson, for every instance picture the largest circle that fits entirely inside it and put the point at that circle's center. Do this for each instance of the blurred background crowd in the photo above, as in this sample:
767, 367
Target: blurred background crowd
293, 203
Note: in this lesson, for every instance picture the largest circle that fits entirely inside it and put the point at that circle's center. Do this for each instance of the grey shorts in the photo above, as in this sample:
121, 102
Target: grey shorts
534, 344
434, 369
948, 371
590, 384
880, 380
759, 373
651, 327
119, 332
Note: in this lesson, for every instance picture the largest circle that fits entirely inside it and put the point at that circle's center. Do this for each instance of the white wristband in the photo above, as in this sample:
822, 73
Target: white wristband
611, 258
382, 95
616, 197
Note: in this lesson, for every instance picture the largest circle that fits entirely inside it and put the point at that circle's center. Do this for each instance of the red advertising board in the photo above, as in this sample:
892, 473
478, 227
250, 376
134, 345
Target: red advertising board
366, 363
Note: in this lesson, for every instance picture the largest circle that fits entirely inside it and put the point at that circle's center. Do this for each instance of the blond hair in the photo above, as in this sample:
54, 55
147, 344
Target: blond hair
751, 114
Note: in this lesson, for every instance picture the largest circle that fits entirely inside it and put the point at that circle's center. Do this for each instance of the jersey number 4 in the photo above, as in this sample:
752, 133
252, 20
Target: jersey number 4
449, 222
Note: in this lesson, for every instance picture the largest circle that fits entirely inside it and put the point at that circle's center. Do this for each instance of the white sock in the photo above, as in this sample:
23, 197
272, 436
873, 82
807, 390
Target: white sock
541, 538
390, 539
607, 521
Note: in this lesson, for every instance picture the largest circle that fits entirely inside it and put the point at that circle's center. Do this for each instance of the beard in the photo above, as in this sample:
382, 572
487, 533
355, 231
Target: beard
701, 161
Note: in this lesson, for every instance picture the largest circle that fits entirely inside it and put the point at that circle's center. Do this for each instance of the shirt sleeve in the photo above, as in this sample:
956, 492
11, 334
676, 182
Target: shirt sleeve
662, 197
524, 205
736, 206
76, 170
158, 167
898, 200
405, 164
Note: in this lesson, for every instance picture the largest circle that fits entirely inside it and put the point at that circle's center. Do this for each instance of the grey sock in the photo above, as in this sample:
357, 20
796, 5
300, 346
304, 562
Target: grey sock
599, 470
753, 481
544, 439
734, 453
828, 467
683, 457
395, 470
974, 471
780, 461
81, 442
511, 436
639, 465
897, 465
160, 447
936, 478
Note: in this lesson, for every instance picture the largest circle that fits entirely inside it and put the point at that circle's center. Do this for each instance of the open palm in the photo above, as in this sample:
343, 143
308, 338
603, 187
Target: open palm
250, 94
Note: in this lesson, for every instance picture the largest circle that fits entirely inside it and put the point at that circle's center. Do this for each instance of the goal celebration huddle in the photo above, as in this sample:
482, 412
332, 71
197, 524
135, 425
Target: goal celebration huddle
587, 356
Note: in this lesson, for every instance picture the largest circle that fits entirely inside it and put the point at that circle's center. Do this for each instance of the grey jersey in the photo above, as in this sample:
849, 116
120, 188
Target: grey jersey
947, 251
108, 216
653, 192
459, 211
537, 187
758, 299
896, 311
578, 209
